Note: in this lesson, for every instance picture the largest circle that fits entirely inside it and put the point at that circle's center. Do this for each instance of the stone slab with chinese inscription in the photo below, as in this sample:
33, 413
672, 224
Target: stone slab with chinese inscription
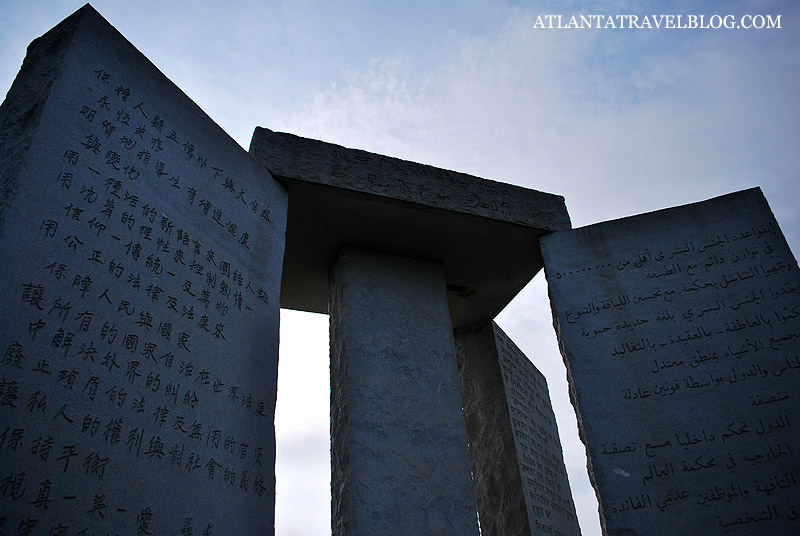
517, 463
142, 251
681, 334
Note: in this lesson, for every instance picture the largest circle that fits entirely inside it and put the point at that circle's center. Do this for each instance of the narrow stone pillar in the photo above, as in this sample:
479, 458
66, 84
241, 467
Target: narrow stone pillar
400, 461
517, 463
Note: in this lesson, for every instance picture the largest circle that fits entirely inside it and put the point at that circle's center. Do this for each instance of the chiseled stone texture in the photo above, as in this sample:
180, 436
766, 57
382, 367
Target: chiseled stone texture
295, 157
520, 479
139, 302
481, 231
680, 330
400, 459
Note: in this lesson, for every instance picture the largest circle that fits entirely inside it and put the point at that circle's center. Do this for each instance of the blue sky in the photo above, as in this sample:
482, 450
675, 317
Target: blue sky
618, 121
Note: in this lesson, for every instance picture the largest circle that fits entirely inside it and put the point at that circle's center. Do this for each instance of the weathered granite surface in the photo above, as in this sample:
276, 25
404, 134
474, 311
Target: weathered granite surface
399, 453
142, 252
294, 157
517, 463
681, 334
484, 233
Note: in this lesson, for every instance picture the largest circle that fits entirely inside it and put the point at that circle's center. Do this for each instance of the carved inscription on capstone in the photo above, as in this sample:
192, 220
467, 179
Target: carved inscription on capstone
291, 156
123, 403
681, 333
544, 477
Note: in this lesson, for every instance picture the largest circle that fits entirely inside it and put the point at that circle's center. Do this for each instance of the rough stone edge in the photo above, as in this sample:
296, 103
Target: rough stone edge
573, 398
341, 479
547, 211
548, 399
24, 104
499, 514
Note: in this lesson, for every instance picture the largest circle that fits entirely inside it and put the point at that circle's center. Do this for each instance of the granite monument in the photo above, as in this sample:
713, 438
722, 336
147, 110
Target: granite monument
142, 256
144, 269
680, 332
399, 254
146, 256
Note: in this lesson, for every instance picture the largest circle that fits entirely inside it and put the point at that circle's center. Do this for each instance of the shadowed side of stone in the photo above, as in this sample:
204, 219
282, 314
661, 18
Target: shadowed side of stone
517, 463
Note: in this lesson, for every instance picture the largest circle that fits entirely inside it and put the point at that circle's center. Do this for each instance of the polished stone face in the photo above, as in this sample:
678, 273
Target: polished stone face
517, 463
680, 330
142, 251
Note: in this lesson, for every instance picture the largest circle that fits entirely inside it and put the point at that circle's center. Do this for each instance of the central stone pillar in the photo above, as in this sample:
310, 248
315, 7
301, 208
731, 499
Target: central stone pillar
400, 460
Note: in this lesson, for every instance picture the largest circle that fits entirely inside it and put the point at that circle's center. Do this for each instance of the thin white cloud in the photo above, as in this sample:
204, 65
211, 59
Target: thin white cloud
585, 114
